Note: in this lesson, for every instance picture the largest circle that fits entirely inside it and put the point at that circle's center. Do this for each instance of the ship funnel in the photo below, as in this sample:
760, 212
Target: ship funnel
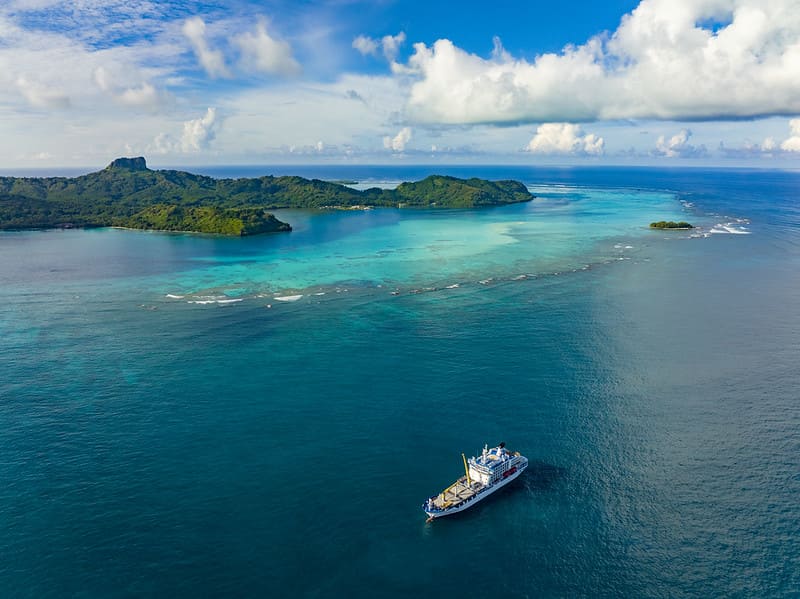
503, 444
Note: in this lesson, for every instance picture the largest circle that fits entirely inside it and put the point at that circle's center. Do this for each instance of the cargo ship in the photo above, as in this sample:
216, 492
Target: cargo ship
485, 474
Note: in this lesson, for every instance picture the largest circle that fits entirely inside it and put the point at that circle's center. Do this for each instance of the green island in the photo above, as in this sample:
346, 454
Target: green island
671, 224
129, 194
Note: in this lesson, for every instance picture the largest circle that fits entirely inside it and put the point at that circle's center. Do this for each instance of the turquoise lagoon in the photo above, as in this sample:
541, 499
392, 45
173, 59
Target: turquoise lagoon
563, 229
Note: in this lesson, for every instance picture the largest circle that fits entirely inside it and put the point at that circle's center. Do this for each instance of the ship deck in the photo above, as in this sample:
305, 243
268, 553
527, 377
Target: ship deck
456, 493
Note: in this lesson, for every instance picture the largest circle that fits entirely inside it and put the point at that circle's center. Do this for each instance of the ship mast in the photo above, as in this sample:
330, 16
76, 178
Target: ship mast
466, 469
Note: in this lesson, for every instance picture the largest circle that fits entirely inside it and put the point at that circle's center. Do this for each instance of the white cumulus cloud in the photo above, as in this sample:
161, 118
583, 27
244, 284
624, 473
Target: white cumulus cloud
399, 141
389, 45
792, 144
366, 45
678, 146
211, 60
41, 95
196, 136
198, 133
144, 95
564, 138
769, 144
668, 59
162, 144
265, 53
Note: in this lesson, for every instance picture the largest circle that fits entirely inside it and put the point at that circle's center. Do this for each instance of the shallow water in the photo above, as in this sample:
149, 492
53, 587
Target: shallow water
154, 446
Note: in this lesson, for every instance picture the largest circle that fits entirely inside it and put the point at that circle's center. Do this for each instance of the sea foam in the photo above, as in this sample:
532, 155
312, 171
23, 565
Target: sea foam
288, 298
729, 228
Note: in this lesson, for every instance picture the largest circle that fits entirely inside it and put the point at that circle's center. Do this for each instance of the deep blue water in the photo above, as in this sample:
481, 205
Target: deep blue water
151, 446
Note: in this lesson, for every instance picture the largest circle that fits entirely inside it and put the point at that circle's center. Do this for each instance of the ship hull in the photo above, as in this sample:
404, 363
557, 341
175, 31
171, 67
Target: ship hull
480, 496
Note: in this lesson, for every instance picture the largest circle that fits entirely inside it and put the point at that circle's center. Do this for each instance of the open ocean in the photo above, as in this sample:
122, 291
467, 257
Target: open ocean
190, 416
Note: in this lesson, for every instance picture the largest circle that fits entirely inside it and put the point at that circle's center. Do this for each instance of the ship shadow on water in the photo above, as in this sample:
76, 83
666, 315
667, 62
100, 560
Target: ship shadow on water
541, 476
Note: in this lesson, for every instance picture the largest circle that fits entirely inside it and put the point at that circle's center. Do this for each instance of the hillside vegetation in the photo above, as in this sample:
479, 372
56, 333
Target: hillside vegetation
206, 219
127, 193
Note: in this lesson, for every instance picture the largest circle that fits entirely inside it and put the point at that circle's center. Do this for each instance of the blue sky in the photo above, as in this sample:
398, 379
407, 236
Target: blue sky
705, 82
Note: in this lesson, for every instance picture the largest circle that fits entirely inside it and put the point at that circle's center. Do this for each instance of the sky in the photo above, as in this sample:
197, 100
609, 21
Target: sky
578, 82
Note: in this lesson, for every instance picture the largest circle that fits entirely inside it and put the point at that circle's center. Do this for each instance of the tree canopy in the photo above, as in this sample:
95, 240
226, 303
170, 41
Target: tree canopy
127, 193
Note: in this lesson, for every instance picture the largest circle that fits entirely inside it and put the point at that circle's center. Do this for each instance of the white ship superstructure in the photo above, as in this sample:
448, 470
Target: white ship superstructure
485, 474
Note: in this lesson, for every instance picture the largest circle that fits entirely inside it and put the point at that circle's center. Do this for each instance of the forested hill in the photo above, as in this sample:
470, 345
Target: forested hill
127, 193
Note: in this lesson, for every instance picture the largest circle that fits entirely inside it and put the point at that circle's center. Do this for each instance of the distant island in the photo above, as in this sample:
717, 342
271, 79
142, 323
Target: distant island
128, 194
671, 224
